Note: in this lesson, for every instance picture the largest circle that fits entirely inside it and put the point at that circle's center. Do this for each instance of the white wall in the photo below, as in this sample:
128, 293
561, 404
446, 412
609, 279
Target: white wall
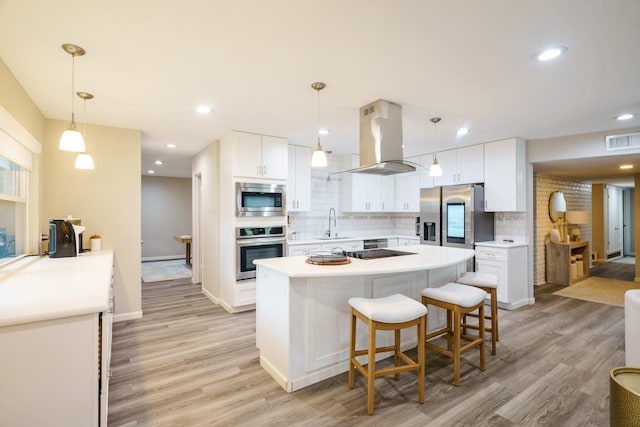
206, 243
106, 199
166, 212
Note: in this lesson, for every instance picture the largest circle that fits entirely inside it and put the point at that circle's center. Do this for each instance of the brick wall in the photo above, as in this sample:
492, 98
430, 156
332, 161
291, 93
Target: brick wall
577, 194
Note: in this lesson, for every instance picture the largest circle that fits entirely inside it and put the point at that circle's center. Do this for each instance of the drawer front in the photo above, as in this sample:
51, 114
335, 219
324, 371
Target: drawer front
491, 254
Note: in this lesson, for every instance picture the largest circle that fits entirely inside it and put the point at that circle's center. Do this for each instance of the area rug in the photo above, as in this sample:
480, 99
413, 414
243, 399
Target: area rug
599, 289
626, 260
156, 271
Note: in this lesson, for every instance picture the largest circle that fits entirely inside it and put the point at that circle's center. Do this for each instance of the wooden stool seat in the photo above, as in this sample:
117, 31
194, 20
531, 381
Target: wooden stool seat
395, 312
489, 283
458, 300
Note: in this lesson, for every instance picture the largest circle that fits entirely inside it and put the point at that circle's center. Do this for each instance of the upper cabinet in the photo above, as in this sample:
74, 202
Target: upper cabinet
299, 183
461, 166
505, 175
366, 193
259, 156
407, 189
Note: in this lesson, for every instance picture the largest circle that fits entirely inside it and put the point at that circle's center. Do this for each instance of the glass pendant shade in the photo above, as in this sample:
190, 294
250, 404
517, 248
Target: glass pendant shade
84, 161
435, 170
72, 140
319, 157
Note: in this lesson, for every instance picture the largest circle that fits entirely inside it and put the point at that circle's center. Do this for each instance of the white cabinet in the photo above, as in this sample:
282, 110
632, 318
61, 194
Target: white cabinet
461, 166
258, 156
510, 266
505, 176
408, 241
338, 245
365, 192
407, 189
56, 372
299, 182
293, 250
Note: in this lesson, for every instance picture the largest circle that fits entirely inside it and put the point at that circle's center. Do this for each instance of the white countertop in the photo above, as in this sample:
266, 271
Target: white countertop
501, 244
318, 240
43, 288
424, 258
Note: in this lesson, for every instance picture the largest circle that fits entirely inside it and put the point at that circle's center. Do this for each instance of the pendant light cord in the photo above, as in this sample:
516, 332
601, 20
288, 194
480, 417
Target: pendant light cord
73, 91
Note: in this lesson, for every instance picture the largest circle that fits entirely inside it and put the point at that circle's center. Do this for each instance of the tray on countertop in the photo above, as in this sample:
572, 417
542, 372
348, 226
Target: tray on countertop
327, 259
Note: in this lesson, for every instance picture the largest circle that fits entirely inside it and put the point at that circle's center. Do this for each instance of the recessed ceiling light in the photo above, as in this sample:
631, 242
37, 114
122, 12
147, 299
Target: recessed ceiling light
203, 109
463, 131
171, 145
158, 162
625, 116
626, 166
323, 131
551, 53
151, 172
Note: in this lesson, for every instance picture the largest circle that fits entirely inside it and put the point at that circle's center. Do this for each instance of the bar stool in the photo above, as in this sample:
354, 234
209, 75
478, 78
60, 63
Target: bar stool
489, 283
394, 312
458, 300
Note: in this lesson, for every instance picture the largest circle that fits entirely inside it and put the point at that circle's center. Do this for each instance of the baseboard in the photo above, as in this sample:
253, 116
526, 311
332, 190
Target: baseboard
162, 258
127, 316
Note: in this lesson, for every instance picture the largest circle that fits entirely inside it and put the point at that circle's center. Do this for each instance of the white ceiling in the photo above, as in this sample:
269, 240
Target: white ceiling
149, 63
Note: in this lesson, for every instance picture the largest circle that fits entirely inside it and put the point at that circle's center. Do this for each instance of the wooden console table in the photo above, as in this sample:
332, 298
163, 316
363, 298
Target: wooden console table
187, 241
558, 263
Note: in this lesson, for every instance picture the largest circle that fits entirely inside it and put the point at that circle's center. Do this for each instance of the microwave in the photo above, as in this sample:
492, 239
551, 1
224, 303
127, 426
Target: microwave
260, 199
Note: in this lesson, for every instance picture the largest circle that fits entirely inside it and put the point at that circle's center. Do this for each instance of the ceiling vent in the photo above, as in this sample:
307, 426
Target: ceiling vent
628, 141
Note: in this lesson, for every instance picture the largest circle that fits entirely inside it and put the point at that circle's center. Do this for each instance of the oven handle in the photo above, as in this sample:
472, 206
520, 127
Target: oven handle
260, 241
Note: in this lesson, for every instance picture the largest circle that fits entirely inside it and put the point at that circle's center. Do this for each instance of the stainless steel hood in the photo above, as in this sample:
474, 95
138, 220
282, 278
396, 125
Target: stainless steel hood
381, 140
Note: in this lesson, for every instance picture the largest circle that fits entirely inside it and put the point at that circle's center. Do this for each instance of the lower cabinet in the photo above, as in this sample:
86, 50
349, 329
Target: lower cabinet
510, 266
56, 372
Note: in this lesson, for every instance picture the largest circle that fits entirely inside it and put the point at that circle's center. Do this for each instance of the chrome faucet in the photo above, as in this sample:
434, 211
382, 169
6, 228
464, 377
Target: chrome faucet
328, 233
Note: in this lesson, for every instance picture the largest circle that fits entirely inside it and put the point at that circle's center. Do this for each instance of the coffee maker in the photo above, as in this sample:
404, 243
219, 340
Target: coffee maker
62, 239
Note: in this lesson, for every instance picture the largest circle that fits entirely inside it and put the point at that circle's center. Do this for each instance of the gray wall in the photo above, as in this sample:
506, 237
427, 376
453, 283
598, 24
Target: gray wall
166, 212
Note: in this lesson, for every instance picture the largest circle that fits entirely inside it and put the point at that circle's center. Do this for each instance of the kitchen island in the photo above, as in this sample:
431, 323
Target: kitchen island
303, 315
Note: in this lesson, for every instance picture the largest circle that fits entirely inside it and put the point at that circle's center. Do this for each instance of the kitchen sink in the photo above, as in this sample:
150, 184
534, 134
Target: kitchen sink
334, 238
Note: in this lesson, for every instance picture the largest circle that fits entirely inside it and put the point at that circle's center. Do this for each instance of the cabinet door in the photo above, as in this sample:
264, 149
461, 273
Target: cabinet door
449, 163
499, 269
408, 192
248, 155
299, 182
470, 164
274, 157
426, 180
291, 181
386, 190
504, 176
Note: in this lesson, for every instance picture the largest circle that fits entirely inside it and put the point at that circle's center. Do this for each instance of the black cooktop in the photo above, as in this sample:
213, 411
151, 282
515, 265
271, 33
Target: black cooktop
375, 253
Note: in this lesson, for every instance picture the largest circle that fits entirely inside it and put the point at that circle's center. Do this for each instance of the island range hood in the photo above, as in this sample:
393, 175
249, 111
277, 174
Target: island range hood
381, 140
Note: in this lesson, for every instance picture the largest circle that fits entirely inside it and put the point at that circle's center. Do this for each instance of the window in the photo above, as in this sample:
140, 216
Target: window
13, 210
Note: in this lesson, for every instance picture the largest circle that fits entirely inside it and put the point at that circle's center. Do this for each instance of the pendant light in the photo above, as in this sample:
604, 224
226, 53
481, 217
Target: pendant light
71, 139
435, 170
319, 157
84, 159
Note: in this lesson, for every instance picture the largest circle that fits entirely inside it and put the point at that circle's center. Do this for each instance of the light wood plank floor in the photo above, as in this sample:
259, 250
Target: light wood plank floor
190, 363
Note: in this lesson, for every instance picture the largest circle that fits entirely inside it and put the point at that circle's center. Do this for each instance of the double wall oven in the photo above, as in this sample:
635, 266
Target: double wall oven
254, 243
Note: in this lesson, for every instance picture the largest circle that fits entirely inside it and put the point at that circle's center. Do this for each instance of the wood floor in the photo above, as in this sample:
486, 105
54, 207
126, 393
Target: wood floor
614, 270
190, 363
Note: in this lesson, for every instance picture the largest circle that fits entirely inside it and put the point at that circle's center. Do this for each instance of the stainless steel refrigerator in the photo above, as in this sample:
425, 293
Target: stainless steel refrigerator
430, 216
464, 221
